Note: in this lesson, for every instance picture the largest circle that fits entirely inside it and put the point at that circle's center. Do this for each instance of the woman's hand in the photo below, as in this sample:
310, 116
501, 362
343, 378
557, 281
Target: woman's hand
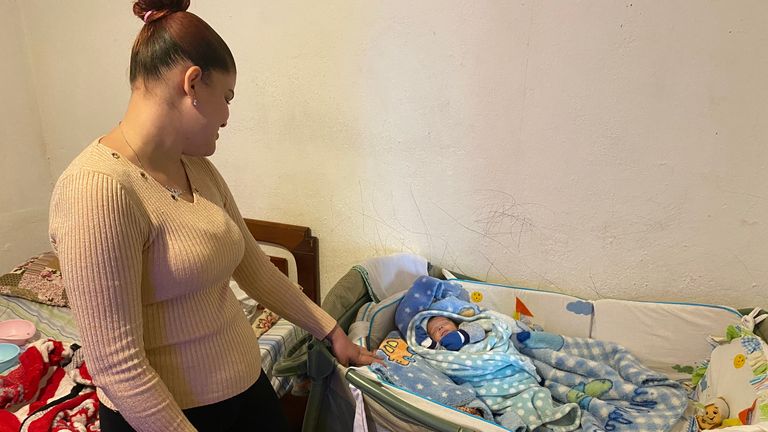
347, 353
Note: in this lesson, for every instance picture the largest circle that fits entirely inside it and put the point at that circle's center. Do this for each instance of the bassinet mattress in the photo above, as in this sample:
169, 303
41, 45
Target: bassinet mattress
58, 323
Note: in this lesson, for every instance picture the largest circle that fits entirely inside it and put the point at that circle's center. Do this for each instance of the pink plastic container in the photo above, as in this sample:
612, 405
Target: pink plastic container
16, 331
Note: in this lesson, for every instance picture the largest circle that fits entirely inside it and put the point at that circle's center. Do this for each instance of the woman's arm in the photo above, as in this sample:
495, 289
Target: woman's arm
265, 283
260, 279
348, 353
99, 234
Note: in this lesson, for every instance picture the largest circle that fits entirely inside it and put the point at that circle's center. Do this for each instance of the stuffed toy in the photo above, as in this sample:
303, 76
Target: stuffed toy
714, 413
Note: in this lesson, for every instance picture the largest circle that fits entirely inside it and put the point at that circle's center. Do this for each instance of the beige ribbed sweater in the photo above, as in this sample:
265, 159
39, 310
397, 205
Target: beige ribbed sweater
147, 279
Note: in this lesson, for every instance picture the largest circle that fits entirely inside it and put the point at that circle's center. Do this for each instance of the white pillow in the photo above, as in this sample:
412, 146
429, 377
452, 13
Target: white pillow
388, 275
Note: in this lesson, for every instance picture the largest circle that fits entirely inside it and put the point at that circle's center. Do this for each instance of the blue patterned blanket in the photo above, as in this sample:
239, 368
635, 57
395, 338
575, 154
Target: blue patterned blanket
502, 378
537, 380
613, 389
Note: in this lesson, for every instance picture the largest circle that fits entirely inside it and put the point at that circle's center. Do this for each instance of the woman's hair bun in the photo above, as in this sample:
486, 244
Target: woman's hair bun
159, 8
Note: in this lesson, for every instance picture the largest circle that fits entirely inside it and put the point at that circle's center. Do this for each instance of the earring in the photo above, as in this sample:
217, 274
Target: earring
194, 102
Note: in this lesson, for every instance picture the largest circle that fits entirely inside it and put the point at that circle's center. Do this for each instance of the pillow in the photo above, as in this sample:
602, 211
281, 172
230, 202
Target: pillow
264, 321
38, 279
379, 319
389, 275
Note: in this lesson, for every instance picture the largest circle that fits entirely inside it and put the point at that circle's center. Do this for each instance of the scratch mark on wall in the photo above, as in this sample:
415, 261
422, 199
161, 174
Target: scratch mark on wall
454, 264
550, 283
543, 278
637, 225
445, 249
743, 264
505, 248
492, 236
381, 242
492, 265
376, 231
514, 211
362, 204
421, 217
525, 73
737, 192
594, 286
501, 220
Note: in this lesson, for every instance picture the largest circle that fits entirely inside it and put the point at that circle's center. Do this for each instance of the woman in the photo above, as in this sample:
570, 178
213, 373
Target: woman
148, 235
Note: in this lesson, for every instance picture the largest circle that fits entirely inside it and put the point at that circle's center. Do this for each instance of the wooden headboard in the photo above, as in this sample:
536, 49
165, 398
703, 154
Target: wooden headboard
300, 242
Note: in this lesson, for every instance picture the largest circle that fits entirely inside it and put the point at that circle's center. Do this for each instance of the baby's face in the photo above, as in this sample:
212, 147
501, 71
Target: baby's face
439, 326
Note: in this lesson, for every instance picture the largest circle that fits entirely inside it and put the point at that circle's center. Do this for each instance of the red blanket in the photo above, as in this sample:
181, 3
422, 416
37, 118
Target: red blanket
41, 395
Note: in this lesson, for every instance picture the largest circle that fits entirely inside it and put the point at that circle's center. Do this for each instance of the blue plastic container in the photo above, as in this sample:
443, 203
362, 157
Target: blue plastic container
9, 356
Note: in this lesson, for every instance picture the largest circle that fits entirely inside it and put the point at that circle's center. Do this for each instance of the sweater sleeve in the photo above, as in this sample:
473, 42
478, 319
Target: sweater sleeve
99, 234
265, 283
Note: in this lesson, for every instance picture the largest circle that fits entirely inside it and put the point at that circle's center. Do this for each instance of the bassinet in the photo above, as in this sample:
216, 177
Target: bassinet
667, 337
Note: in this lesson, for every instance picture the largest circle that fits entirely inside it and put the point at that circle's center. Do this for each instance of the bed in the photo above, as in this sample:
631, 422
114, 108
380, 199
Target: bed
669, 338
291, 248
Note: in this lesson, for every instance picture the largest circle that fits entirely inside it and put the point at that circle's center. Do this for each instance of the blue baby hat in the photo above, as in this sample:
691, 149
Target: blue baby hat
432, 293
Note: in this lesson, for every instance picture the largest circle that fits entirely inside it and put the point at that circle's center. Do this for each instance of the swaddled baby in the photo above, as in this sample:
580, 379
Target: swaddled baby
413, 373
475, 350
428, 293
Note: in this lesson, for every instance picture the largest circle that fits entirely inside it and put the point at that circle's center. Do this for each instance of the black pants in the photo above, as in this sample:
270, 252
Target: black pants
254, 409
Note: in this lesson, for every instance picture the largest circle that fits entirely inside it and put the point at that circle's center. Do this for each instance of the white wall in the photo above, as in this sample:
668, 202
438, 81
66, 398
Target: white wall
24, 172
604, 149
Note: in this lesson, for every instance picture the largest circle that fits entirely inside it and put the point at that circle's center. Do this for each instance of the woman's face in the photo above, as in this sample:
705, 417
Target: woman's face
213, 93
439, 326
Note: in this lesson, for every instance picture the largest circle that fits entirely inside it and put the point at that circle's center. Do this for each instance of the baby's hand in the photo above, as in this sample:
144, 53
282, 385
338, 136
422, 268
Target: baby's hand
455, 340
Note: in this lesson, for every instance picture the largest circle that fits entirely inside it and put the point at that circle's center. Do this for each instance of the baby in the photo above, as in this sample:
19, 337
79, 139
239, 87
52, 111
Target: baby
428, 293
447, 334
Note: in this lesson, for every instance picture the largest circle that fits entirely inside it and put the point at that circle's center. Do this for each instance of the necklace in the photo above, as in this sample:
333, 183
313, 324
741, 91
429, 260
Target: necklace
175, 192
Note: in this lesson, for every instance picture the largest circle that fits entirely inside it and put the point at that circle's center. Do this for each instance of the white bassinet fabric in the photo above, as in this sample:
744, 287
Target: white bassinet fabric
553, 312
388, 275
662, 335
